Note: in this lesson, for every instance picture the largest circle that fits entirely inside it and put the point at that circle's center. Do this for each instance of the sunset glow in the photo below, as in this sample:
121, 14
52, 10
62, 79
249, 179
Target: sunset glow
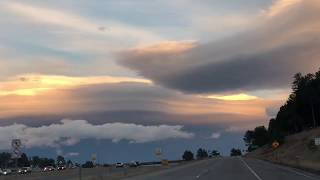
235, 97
30, 85
125, 75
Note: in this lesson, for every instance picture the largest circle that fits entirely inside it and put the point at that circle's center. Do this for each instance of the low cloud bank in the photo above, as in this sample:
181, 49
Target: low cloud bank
71, 132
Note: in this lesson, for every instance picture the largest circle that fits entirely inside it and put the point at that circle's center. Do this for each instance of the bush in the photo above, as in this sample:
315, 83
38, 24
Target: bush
235, 152
88, 164
188, 156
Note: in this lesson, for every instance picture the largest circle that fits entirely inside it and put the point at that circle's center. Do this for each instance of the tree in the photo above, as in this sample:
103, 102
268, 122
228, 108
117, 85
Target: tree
5, 160
300, 112
202, 153
35, 161
61, 160
69, 163
187, 155
46, 162
256, 138
88, 164
215, 153
235, 152
23, 161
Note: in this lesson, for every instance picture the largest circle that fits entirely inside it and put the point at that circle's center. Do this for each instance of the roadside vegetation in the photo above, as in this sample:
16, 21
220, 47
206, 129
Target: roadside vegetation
300, 112
201, 154
7, 162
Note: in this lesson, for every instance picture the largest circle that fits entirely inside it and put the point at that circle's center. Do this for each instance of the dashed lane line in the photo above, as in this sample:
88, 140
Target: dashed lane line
202, 173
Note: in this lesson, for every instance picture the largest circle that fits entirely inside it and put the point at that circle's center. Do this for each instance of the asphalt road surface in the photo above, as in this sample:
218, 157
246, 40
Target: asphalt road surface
212, 169
230, 169
109, 173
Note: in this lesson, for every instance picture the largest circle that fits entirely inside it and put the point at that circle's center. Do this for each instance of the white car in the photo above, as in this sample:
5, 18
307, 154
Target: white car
119, 165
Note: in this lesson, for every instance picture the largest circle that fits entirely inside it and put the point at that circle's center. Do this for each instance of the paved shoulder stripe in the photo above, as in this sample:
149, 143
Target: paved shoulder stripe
250, 169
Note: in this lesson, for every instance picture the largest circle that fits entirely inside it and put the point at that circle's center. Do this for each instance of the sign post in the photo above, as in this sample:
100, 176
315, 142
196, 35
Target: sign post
94, 159
158, 152
16, 148
16, 145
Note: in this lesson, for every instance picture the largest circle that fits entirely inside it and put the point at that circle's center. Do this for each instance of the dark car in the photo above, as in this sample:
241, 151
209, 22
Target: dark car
60, 168
24, 170
48, 168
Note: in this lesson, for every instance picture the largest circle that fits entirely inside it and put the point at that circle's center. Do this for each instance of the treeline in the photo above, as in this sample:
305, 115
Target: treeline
300, 112
203, 154
7, 162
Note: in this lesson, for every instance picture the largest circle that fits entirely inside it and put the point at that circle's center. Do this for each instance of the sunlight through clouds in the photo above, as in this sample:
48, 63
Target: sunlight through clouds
32, 84
235, 97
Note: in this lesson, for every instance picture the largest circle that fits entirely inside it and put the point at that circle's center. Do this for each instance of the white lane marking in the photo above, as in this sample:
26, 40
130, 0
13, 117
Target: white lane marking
251, 170
208, 170
296, 172
202, 173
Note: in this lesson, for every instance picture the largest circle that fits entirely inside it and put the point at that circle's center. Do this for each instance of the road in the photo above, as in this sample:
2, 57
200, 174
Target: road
213, 169
229, 169
100, 173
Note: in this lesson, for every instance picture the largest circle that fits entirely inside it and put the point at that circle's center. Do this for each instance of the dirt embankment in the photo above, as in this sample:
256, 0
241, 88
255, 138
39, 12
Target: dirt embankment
297, 150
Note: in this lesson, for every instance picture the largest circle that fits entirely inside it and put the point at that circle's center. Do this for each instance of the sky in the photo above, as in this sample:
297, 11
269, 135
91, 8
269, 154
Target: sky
119, 79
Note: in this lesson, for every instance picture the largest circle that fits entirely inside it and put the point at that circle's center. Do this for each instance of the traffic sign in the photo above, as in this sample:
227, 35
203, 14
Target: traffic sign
275, 144
16, 145
158, 152
94, 159
165, 162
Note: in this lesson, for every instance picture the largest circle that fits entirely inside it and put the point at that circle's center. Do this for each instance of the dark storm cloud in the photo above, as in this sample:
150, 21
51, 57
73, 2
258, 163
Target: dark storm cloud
269, 70
284, 41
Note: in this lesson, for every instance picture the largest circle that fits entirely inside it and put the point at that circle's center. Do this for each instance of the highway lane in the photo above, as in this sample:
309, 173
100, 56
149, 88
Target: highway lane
230, 169
99, 173
66, 175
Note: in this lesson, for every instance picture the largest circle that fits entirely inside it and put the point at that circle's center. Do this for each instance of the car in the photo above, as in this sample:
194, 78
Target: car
6, 172
24, 170
48, 168
61, 167
134, 164
119, 165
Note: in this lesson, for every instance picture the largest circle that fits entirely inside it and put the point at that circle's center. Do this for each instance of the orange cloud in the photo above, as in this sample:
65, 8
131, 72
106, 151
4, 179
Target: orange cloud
281, 6
234, 97
166, 47
32, 84
63, 97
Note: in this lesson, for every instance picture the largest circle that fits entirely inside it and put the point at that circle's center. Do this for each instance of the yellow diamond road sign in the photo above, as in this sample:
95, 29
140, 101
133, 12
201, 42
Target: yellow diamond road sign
275, 144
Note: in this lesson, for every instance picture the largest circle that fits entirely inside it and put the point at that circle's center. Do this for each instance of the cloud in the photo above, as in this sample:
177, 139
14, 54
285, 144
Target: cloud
272, 111
235, 97
32, 84
88, 97
43, 15
71, 132
283, 42
72, 154
215, 135
280, 6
